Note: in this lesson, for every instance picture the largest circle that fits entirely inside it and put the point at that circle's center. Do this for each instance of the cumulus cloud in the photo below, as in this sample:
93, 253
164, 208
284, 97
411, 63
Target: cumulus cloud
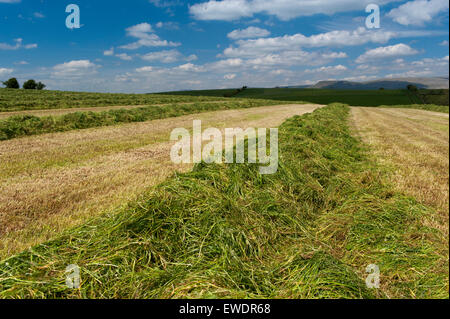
386, 53
228, 10
144, 69
249, 33
418, 12
252, 47
18, 45
189, 67
422, 68
168, 25
5, 71
74, 69
328, 69
167, 56
109, 52
229, 76
124, 56
146, 38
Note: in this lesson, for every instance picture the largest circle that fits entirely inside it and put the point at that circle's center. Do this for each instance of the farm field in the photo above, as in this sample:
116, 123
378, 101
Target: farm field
59, 112
27, 124
326, 96
225, 158
12, 100
418, 147
346, 195
54, 181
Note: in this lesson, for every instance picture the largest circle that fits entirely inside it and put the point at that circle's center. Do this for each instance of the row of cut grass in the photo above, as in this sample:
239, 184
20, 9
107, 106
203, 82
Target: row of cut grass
25, 125
21, 100
225, 231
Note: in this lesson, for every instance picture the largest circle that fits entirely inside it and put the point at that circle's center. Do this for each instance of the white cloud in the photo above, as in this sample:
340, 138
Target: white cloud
418, 12
146, 38
444, 43
39, 15
9, 1
328, 69
284, 9
386, 52
167, 25
109, 52
360, 78
248, 48
5, 71
166, 56
249, 33
18, 45
229, 76
165, 3
192, 57
75, 68
124, 56
189, 67
144, 69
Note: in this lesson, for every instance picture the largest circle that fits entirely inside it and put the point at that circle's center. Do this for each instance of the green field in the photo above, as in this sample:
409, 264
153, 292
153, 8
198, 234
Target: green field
324, 96
225, 231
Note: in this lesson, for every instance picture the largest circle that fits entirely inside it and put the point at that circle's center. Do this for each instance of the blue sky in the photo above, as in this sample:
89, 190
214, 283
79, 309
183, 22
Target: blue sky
162, 45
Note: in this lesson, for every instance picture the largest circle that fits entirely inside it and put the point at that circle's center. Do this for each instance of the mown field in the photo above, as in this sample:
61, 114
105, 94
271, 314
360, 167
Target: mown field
54, 181
19, 100
355, 186
308, 231
324, 96
26, 125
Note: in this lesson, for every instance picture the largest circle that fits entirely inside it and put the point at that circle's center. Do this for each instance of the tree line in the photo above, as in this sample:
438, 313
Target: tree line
12, 83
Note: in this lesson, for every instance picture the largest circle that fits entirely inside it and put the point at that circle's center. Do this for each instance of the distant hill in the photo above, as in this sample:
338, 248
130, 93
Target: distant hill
388, 84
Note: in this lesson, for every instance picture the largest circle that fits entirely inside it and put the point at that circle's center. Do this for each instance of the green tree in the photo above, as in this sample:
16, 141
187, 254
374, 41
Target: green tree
30, 85
12, 83
412, 88
40, 86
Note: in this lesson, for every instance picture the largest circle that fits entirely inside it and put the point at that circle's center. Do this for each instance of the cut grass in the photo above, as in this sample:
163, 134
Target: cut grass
225, 231
419, 149
54, 182
20, 100
26, 125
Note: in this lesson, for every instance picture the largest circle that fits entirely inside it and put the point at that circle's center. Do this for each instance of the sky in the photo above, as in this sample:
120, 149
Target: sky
144, 46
